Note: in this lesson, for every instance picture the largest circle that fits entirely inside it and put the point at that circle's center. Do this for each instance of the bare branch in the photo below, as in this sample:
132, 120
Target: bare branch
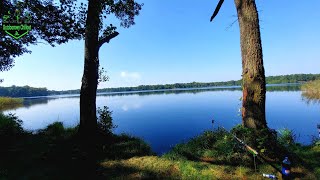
216, 10
230, 25
106, 39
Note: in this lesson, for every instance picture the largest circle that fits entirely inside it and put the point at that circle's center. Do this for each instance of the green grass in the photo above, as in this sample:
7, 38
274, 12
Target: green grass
311, 90
10, 103
55, 153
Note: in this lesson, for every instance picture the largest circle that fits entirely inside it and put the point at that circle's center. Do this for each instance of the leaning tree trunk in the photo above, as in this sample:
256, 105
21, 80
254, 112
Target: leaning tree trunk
88, 120
254, 87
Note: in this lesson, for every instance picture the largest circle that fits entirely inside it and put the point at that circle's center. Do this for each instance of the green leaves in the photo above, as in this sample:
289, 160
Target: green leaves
103, 77
124, 10
55, 24
105, 121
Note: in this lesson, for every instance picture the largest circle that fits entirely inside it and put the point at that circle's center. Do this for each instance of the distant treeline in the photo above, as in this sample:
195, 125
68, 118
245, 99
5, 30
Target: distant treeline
293, 78
24, 91
27, 91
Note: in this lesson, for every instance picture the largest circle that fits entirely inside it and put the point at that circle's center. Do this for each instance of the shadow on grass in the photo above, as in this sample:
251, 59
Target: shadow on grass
55, 153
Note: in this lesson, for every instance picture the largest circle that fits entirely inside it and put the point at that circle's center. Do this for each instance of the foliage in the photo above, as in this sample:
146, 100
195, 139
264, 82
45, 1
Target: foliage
311, 90
295, 78
8, 103
124, 146
54, 130
220, 146
24, 91
286, 137
53, 23
105, 121
103, 77
10, 128
54, 152
42, 156
213, 146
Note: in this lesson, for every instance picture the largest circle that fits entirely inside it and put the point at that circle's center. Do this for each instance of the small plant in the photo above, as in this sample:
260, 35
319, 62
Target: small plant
286, 137
105, 123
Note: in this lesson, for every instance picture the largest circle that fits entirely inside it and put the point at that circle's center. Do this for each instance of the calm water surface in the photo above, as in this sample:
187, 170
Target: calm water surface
166, 118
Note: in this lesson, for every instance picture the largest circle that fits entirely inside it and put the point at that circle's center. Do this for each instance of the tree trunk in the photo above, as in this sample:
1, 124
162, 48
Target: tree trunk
88, 120
254, 87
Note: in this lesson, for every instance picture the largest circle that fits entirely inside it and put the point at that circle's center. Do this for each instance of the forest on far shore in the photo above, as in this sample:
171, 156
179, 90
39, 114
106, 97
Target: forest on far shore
27, 91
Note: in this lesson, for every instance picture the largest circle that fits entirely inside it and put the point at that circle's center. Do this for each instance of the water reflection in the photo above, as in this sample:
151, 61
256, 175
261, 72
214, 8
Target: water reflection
310, 98
271, 88
28, 102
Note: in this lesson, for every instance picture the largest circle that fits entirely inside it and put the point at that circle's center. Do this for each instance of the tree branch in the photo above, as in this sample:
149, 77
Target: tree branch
216, 10
107, 39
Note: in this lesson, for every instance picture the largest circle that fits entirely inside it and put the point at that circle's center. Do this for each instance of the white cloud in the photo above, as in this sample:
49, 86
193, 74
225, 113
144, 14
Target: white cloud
127, 107
128, 75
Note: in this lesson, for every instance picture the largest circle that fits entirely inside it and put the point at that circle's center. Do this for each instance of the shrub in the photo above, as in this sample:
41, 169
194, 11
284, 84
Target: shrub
105, 121
10, 128
54, 130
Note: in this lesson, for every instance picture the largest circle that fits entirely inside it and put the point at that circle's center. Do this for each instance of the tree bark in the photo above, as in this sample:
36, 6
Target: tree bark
88, 120
254, 87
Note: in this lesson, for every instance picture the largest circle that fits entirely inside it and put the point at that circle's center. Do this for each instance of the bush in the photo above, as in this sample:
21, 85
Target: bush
105, 121
54, 130
10, 128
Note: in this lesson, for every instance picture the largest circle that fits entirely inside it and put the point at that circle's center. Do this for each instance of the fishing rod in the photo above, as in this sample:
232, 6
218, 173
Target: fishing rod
250, 149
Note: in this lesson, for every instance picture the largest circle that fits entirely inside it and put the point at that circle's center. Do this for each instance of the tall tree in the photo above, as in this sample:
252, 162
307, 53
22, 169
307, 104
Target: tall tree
253, 76
95, 37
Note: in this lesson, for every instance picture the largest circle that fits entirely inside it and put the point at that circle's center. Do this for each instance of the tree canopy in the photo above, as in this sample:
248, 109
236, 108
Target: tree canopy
52, 23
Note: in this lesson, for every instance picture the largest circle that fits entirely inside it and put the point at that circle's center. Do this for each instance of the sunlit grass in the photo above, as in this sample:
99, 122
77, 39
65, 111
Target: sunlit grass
311, 90
9, 103
153, 167
207, 157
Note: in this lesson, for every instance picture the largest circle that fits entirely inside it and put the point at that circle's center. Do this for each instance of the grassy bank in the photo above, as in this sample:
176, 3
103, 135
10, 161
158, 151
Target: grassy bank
215, 155
55, 153
311, 90
10, 103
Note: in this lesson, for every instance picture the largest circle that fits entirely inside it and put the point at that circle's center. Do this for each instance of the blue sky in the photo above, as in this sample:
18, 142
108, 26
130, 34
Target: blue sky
173, 41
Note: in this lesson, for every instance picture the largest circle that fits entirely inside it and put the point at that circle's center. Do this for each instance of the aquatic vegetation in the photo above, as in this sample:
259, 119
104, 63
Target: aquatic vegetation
311, 90
10, 103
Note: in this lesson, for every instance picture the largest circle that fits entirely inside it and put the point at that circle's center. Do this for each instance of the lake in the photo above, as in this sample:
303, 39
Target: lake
165, 118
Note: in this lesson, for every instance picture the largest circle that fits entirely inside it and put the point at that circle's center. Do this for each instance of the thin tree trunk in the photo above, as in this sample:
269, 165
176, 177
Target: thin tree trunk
254, 88
88, 120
